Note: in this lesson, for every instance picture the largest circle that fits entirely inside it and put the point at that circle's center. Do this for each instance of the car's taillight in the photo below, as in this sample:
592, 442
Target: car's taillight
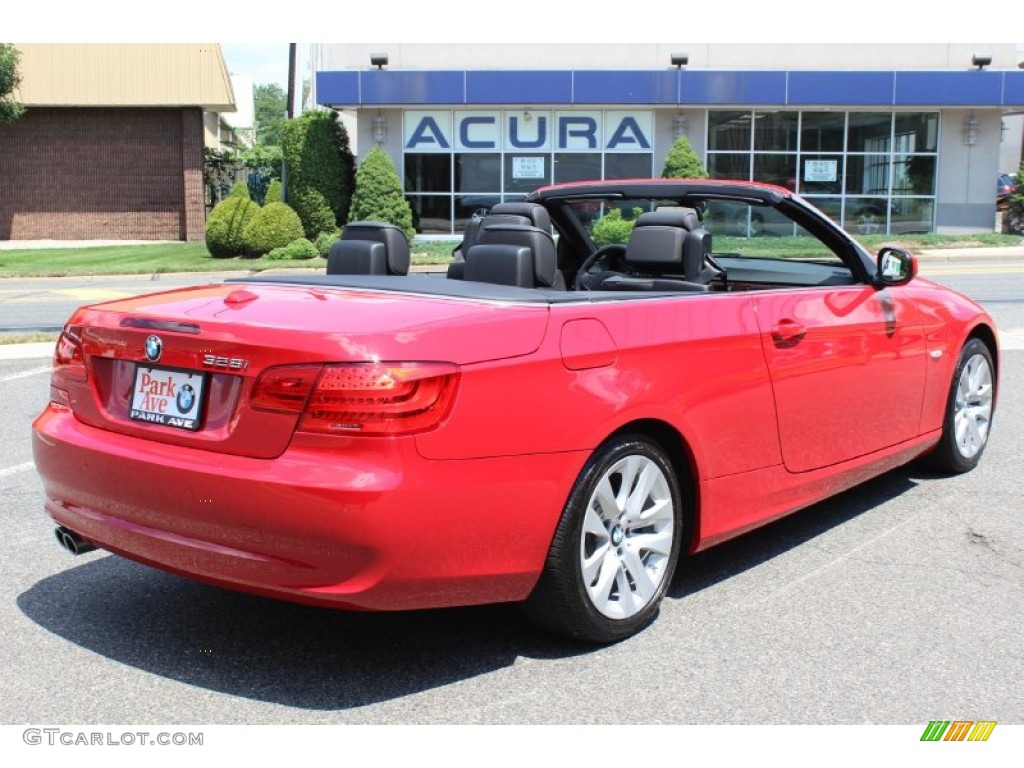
284, 389
380, 398
68, 364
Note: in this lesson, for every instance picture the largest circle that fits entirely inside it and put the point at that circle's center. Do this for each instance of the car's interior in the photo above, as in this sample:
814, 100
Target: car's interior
611, 248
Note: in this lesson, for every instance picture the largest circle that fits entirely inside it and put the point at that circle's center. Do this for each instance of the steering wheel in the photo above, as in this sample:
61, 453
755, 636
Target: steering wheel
604, 259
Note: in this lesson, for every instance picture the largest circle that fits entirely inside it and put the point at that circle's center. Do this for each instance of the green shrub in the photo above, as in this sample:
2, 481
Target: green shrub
378, 195
320, 166
325, 240
275, 225
297, 249
682, 162
240, 189
225, 226
612, 228
318, 215
273, 192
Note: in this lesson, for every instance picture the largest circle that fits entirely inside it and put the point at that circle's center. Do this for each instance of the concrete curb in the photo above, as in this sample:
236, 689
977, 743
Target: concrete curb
30, 351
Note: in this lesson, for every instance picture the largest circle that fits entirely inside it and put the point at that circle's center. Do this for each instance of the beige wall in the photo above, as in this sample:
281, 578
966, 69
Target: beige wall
123, 75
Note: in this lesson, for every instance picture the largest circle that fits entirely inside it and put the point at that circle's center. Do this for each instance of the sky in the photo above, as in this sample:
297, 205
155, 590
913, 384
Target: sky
265, 62
450, 21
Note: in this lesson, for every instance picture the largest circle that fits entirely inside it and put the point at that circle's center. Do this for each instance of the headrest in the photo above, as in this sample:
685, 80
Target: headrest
396, 245
540, 243
687, 218
502, 264
537, 215
655, 247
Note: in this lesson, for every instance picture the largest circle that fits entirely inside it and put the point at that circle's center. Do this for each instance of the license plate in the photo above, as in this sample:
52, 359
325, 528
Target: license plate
169, 397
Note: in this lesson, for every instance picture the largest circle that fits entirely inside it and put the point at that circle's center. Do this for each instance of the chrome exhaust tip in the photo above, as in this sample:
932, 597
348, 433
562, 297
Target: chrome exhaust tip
72, 542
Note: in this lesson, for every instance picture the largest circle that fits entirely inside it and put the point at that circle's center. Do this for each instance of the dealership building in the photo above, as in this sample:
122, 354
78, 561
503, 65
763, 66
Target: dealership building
882, 138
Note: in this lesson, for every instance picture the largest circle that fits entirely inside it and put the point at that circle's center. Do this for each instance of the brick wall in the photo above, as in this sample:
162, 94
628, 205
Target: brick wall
102, 174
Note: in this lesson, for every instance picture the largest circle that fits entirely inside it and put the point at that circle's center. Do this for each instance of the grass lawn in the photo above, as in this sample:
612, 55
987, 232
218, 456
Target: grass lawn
193, 257
163, 257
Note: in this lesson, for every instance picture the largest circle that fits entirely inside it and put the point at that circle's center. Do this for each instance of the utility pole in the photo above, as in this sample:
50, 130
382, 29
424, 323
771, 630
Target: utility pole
289, 113
291, 79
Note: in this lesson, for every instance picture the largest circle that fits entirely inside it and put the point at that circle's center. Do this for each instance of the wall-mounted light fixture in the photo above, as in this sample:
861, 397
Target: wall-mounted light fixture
970, 130
380, 127
679, 124
379, 60
680, 60
980, 61
527, 117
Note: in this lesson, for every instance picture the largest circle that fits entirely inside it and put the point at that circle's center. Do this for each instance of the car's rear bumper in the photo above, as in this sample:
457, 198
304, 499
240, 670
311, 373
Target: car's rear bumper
366, 524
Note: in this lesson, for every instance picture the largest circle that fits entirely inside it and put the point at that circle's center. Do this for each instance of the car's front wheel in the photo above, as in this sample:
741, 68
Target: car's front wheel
616, 546
969, 409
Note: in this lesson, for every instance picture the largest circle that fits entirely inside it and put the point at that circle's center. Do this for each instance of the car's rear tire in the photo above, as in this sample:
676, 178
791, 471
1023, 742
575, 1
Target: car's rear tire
970, 405
615, 549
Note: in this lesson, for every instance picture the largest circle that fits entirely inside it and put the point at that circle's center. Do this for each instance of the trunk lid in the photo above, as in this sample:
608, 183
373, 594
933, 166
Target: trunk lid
216, 340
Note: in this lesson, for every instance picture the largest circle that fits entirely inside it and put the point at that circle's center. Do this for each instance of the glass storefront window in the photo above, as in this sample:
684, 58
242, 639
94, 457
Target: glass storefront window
919, 131
729, 130
913, 175
477, 172
776, 169
428, 173
821, 174
867, 174
912, 215
864, 168
729, 165
870, 132
866, 216
577, 166
822, 131
775, 131
627, 166
525, 172
431, 214
468, 206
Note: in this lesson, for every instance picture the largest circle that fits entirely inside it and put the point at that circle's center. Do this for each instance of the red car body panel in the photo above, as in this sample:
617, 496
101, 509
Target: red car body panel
777, 398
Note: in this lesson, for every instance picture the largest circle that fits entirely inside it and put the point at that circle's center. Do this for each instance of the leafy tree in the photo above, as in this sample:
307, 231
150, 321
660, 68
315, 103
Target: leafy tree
271, 104
9, 80
682, 162
378, 195
319, 170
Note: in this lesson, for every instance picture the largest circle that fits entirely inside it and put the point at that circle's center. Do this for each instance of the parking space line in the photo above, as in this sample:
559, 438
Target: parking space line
26, 374
17, 468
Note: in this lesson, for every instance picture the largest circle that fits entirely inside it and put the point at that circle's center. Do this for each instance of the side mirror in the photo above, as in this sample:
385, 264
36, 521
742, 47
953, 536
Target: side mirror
895, 267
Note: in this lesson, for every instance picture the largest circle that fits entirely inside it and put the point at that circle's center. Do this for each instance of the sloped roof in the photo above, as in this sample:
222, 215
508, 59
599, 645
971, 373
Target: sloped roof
124, 75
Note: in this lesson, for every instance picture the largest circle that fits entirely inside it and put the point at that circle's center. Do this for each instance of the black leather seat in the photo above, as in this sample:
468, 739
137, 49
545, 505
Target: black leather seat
514, 254
369, 248
666, 252
517, 212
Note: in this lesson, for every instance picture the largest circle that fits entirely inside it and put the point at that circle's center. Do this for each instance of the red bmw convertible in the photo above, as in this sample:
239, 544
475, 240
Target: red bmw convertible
610, 375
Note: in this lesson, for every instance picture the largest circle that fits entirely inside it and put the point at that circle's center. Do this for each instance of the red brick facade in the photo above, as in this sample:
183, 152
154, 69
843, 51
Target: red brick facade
102, 174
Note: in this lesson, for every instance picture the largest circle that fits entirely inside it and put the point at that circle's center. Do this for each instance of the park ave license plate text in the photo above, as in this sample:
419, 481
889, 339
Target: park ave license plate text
168, 397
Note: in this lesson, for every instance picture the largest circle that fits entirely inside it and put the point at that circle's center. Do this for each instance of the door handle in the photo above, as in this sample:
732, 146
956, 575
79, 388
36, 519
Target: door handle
788, 333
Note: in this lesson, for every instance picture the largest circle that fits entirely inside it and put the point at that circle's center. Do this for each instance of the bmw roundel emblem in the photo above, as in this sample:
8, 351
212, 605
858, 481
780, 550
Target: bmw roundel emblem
154, 348
186, 399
